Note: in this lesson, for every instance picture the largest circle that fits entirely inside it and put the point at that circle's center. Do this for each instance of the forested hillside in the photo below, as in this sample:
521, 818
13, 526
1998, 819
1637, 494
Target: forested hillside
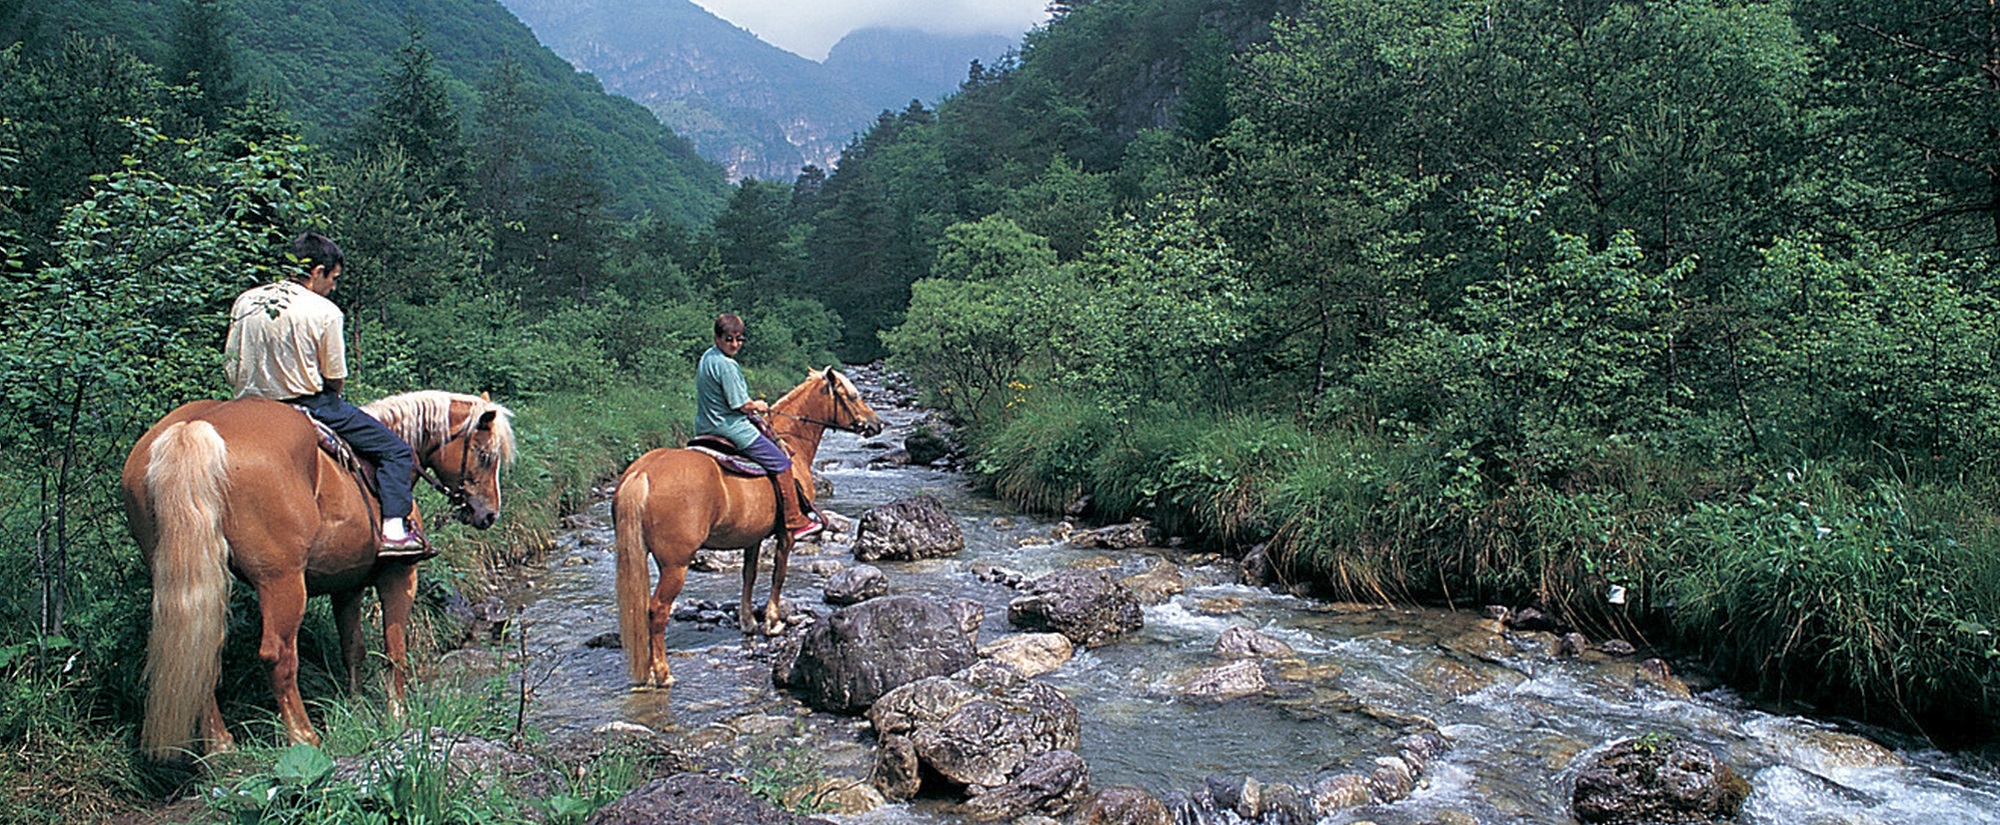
1486, 302
322, 61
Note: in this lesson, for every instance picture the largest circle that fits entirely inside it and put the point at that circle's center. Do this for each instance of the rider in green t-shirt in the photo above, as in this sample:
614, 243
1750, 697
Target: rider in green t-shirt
723, 407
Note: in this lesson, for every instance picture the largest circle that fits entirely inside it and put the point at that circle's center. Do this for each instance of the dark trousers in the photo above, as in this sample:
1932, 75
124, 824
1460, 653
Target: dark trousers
768, 455
395, 464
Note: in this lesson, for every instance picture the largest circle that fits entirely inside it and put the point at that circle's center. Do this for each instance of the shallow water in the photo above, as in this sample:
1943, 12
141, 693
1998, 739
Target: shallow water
1517, 716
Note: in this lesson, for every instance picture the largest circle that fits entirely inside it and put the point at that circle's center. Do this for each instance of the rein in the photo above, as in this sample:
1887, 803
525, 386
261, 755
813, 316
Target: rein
840, 405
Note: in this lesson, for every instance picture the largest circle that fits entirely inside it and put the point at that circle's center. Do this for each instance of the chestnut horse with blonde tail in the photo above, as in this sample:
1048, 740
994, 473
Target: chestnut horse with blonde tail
672, 502
241, 486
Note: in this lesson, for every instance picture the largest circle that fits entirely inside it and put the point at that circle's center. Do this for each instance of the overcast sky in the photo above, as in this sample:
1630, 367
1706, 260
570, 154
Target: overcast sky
811, 27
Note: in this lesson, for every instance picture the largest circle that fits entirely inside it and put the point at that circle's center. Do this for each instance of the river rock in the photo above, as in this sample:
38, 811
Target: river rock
975, 729
1088, 606
1655, 673
925, 446
716, 561
1224, 682
1030, 654
1157, 584
1619, 647
1113, 537
989, 572
695, 799
1257, 568
907, 530
865, 650
1125, 805
1656, 779
1240, 642
855, 585
1054, 782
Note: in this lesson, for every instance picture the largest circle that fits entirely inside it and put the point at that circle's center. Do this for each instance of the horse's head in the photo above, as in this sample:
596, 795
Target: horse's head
469, 462
845, 409
463, 439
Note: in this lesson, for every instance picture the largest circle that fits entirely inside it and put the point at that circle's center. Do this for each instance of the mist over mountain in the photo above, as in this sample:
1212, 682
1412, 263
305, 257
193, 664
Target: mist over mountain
758, 110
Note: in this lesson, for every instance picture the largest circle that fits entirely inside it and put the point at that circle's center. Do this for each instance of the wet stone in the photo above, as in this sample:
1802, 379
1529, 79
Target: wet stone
907, 530
855, 585
1125, 805
1088, 606
1030, 654
1158, 584
1619, 647
1241, 642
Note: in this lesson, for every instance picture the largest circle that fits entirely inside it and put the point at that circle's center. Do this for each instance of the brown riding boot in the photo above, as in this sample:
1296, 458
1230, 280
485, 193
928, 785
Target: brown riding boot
797, 523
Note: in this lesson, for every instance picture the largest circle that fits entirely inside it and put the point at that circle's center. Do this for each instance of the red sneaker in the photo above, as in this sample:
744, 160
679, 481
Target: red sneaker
807, 531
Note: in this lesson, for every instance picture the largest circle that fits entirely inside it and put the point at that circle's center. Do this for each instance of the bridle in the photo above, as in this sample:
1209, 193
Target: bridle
841, 408
461, 501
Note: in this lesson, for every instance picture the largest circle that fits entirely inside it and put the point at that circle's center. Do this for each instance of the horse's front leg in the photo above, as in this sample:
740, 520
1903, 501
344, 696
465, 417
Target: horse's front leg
397, 587
746, 618
282, 602
781, 557
347, 621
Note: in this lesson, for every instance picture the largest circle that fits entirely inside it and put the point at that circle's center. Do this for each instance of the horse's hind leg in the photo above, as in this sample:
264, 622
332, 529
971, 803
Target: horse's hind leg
282, 601
347, 620
781, 557
746, 618
213, 730
397, 587
672, 578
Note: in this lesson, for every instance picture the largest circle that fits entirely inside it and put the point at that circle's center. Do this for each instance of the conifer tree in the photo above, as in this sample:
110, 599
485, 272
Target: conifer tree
203, 57
414, 111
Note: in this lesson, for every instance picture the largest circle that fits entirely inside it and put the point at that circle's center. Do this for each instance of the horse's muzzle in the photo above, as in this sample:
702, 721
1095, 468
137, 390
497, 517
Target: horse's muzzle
871, 427
480, 518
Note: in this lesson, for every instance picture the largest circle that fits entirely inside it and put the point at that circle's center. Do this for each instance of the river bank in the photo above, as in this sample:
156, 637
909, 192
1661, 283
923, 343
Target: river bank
1518, 712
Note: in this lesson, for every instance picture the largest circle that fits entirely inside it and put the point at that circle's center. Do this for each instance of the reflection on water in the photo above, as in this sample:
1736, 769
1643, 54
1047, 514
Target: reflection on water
1517, 716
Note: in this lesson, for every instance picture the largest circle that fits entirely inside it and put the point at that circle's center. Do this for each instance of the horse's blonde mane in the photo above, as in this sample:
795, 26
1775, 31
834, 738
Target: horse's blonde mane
423, 418
809, 385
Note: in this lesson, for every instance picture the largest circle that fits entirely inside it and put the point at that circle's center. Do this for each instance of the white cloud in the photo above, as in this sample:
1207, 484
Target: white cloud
811, 27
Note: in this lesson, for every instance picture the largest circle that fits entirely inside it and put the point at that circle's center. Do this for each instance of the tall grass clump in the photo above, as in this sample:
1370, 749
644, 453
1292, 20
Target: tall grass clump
1863, 593
1042, 458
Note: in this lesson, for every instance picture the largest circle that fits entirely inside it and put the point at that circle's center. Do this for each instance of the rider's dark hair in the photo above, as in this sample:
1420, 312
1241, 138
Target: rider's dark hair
728, 324
312, 250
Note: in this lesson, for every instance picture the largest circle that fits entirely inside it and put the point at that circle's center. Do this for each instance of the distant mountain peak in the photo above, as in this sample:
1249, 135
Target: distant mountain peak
757, 109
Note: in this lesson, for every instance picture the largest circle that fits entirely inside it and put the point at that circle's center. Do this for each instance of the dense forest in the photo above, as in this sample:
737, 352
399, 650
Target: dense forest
1517, 301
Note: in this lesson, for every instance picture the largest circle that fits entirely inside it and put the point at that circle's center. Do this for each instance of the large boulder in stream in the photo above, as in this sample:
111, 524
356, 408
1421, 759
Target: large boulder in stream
864, 651
1004, 742
1656, 779
1088, 606
907, 530
695, 799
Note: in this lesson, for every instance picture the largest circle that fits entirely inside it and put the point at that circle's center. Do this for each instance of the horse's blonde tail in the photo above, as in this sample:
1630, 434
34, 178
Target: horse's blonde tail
628, 517
186, 482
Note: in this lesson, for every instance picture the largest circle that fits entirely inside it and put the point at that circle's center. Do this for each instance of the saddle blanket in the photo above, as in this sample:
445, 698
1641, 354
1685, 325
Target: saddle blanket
724, 454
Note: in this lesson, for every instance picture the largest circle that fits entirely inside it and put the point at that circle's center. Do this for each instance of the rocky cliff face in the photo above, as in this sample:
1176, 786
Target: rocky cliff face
757, 109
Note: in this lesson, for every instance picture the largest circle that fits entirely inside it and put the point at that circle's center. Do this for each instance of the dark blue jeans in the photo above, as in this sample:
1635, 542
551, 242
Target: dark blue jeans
768, 455
395, 464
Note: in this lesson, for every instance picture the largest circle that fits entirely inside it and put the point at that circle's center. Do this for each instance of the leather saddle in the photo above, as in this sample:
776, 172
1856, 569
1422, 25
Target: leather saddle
726, 455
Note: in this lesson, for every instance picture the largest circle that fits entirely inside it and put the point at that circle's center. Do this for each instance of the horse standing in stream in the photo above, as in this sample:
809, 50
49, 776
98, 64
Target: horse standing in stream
243, 486
672, 502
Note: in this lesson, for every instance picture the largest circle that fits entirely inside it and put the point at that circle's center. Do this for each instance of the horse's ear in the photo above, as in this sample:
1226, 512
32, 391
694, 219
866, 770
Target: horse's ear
486, 397
486, 419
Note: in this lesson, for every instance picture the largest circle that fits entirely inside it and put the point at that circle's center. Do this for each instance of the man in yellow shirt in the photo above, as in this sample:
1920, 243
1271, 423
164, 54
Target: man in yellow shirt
285, 344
